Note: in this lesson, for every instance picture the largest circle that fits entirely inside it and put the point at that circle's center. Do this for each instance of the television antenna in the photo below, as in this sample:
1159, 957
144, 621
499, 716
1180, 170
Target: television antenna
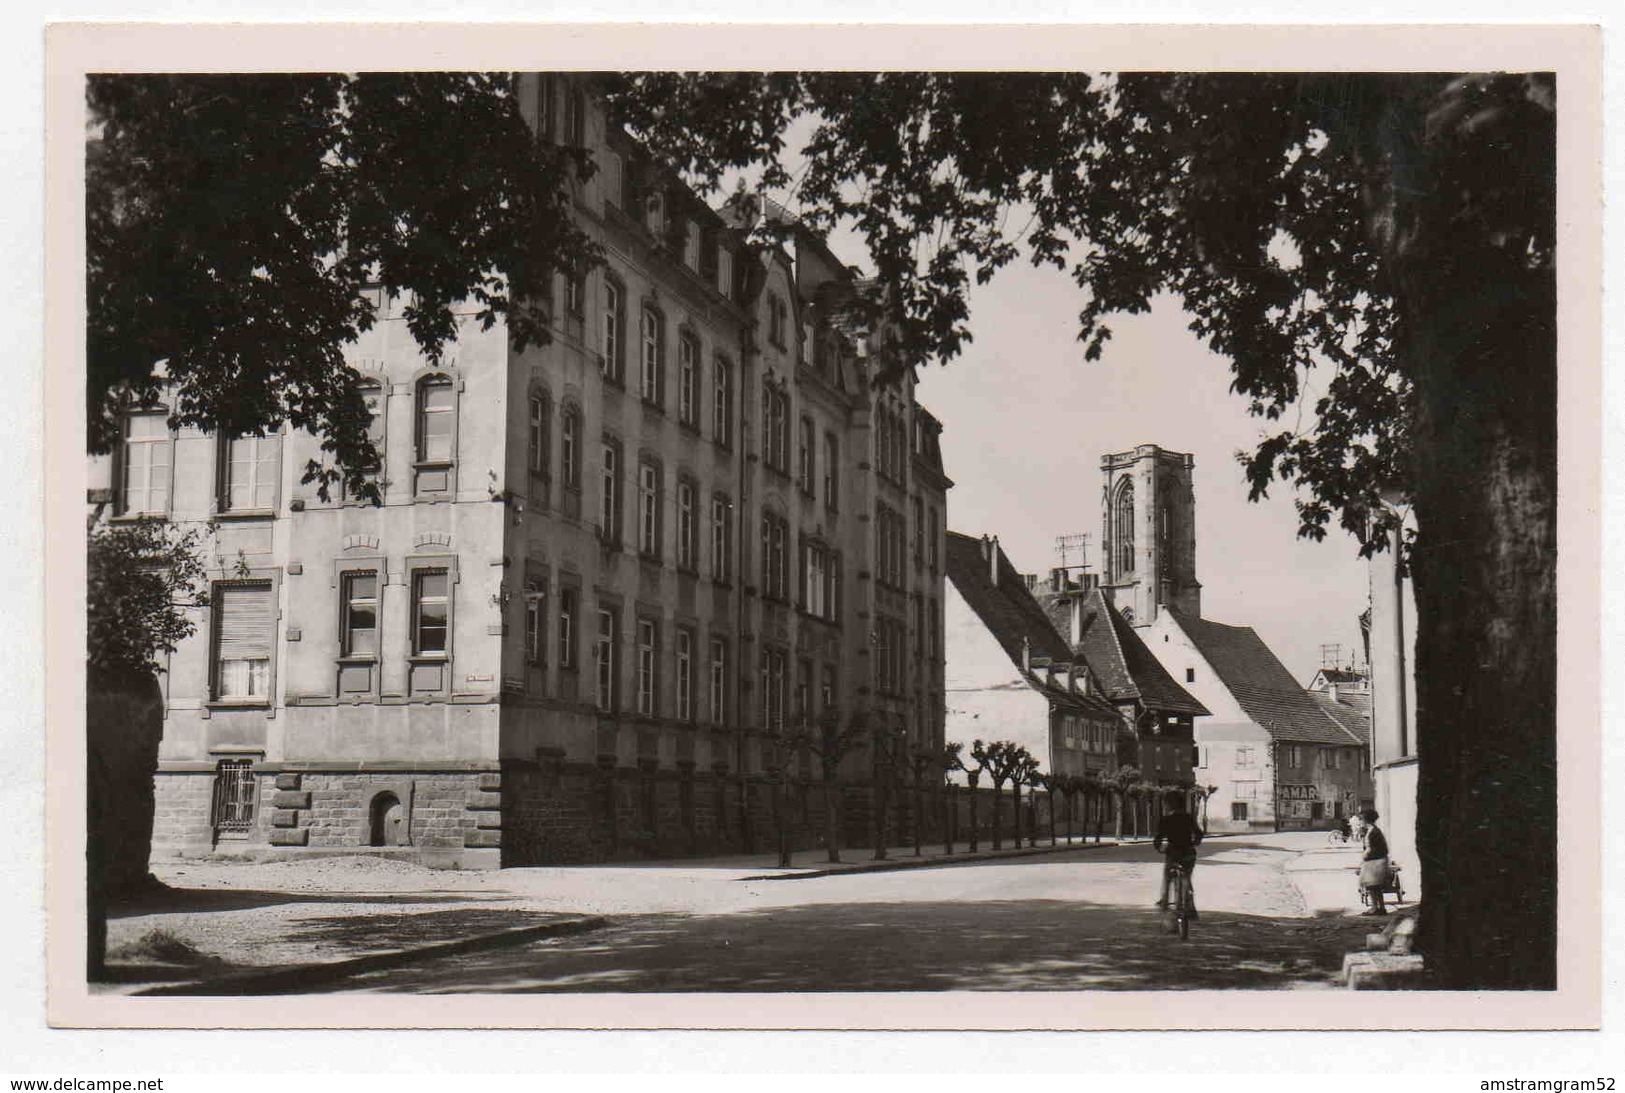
1073, 546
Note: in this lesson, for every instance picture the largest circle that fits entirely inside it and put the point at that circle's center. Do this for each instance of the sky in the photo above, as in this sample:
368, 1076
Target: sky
1026, 420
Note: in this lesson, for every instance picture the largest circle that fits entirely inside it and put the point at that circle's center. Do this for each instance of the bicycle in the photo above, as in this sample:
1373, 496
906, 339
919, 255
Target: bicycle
1181, 901
1338, 837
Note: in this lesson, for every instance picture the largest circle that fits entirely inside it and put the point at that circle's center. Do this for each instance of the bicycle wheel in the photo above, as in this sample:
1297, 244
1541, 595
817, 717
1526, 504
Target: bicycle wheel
1182, 890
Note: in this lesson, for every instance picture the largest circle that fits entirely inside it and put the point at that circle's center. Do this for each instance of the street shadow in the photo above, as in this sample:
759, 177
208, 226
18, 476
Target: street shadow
1018, 945
168, 901
353, 936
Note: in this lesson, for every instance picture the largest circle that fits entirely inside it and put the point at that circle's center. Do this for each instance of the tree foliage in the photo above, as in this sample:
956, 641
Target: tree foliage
234, 223
141, 578
1264, 203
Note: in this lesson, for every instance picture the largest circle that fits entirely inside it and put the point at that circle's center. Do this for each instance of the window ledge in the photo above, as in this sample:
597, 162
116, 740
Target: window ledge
359, 658
137, 517
243, 514
429, 658
434, 464
237, 704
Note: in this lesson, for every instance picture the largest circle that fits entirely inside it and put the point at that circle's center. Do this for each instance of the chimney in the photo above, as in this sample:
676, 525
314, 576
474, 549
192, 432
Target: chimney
993, 560
1077, 621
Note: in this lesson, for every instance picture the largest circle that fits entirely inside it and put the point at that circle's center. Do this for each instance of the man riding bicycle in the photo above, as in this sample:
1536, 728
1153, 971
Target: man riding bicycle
1181, 834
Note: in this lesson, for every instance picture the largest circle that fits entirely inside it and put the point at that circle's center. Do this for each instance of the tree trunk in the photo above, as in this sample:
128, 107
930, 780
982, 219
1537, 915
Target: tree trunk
997, 790
919, 818
778, 821
1480, 344
975, 837
832, 818
1486, 662
123, 728
1015, 808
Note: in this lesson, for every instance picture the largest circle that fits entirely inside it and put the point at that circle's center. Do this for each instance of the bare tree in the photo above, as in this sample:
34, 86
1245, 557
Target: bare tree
832, 742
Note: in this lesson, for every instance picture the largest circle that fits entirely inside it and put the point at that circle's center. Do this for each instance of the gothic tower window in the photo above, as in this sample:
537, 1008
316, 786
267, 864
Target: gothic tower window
1123, 526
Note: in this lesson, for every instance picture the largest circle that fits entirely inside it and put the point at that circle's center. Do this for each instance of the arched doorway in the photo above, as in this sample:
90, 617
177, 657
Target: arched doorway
388, 827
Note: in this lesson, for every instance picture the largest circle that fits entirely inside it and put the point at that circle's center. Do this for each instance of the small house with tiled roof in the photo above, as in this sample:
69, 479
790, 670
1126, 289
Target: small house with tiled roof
1279, 756
1008, 675
1157, 714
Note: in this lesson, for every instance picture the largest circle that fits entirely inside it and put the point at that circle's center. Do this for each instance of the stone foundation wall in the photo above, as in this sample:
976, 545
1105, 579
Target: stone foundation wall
182, 825
551, 812
442, 811
443, 818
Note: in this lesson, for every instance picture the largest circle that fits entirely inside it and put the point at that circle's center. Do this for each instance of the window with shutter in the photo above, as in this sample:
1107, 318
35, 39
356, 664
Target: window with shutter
611, 363
144, 486
250, 482
431, 607
242, 614
372, 397
361, 614
435, 409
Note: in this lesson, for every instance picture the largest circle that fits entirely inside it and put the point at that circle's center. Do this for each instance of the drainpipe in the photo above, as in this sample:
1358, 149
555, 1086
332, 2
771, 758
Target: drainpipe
1275, 779
1399, 642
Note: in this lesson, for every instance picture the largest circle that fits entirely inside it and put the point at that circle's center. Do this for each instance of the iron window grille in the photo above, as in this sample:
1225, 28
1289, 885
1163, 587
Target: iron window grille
233, 810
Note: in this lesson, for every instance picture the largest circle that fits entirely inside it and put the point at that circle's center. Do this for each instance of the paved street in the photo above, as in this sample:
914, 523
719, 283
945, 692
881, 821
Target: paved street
1077, 920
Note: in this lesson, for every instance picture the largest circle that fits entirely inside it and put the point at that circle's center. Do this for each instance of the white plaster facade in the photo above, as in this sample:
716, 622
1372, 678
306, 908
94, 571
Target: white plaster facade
1233, 751
984, 695
1393, 712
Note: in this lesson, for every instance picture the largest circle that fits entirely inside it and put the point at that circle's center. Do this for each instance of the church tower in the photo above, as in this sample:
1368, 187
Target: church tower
1148, 533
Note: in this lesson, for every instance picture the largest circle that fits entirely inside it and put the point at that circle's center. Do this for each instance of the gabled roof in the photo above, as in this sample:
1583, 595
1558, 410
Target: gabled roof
1119, 659
1260, 683
1351, 717
1016, 621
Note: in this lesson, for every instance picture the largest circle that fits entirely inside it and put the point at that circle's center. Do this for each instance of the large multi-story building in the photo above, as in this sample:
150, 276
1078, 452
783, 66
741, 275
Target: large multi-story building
612, 579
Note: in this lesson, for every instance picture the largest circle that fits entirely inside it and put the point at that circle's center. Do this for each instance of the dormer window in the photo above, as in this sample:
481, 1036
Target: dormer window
725, 272
691, 246
778, 317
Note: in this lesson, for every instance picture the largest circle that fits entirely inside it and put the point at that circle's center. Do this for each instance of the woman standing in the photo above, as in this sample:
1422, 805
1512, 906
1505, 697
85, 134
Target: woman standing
1374, 872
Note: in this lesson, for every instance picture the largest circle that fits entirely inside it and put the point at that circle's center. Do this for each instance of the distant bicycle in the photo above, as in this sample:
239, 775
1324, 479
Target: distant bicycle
1339, 835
